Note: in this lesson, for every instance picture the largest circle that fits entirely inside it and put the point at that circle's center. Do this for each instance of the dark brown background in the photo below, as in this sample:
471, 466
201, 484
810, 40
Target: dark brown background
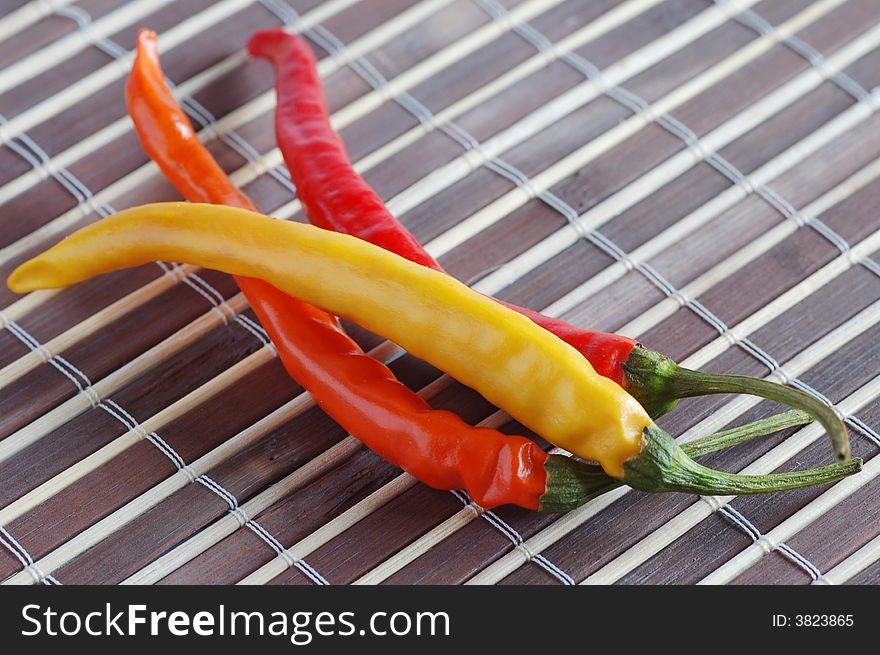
358, 549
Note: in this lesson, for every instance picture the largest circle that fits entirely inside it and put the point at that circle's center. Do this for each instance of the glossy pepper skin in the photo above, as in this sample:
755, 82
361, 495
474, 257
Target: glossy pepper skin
336, 197
533, 375
522, 368
434, 446
360, 393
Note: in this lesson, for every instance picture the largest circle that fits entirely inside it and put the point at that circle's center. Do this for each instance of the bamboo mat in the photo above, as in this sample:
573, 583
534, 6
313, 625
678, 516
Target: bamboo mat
702, 175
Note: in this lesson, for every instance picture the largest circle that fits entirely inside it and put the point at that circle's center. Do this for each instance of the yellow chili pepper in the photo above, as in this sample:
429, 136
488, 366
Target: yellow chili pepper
539, 379
533, 375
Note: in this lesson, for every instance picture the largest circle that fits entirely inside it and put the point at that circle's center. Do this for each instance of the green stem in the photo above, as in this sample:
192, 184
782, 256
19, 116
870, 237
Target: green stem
655, 380
664, 466
571, 482
791, 419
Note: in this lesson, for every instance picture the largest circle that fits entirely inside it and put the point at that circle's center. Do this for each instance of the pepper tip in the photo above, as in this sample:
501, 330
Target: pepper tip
25, 278
146, 38
262, 43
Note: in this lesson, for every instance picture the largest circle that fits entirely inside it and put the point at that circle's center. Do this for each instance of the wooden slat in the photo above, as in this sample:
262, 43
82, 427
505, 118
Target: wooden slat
27, 29
375, 520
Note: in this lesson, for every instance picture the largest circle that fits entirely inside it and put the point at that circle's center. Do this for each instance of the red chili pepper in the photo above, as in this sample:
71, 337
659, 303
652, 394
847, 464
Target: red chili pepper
360, 393
336, 197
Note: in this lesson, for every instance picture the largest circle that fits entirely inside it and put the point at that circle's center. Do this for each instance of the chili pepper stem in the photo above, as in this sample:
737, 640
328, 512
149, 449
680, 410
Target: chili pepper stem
648, 378
742, 433
572, 482
657, 383
664, 466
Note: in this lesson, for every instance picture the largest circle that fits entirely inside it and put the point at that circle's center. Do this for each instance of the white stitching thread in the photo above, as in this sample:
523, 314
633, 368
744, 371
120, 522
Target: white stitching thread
115, 410
241, 516
712, 501
123, 416
79, 379
25, 337
284, 554
767, 544
86, 30
799, 560
515, 538
750, 19
24, 557
174, 272
15, 547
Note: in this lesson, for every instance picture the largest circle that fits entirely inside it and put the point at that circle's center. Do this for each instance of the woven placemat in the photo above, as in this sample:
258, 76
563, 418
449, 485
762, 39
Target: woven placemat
701, 175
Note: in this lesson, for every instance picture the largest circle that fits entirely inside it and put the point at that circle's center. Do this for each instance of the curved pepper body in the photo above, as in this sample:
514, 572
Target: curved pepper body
533, 375
331, 196
168, 137
604, 351
334, 196
435, 446
360, 393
